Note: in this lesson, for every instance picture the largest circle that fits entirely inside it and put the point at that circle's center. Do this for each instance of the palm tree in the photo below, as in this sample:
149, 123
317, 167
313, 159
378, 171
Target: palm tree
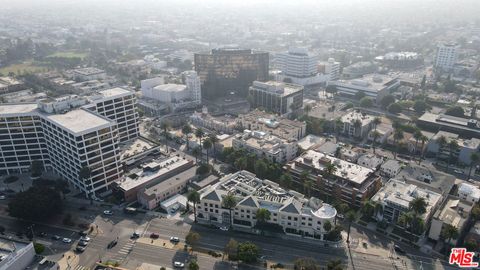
186, 130
262, 216
329, 169
448, 233
327, 226
452, 147
199, 134
337, 127
229, 202
286, 180
375, 136
368, 208
194, 197
207, 145
423, 139
474, 158
196, 152
351, 216
165, 127
307, 109
214, 140
397, 136
418, 206
417, 135
240, 163
307, 187
405, 220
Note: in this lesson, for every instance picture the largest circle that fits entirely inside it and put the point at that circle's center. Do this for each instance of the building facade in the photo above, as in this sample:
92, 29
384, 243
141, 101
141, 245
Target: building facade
289, 210
230, 70
446, 57
348, 182
277, 97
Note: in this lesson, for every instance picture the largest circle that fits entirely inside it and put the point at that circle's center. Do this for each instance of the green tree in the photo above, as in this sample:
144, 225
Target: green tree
449, 232
248, 252
417, 135
231, 249
261, 169
366, 102
423, 139
39, 248
474, 158
305, 264
193, 265
194, 197
455, 111
199, 134
192, 239
397, 137
186, 130
420, 106
441, 141
335, 264
262, 215
213, 140
229, 202
375, 136
418, 206
36, 168
38, 203
351, 216
387, 100
196, 152
240, 163
329, 170
452, 148
286, 180
359, 95
476, 212
207, 145
368, 208
394, 108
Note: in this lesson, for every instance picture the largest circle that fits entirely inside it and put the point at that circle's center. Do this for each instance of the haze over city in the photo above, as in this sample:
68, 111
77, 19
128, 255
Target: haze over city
254, 134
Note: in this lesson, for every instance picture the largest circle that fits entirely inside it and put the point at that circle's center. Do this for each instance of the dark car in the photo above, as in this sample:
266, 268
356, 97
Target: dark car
56, 237
82, 233
112, 244
154, 235
135, 235
399, 250
42, 234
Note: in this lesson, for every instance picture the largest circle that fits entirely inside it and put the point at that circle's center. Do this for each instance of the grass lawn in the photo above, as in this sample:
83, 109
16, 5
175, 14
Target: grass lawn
69, 54
20, 68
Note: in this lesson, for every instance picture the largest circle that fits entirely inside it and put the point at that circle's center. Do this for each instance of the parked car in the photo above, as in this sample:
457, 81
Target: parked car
135, 235
112, 244
224, 228
85, 238
174, 239
66, 240
56, 237
42, 234
178, 264
108, 212
81, 248
154, 235
82, 243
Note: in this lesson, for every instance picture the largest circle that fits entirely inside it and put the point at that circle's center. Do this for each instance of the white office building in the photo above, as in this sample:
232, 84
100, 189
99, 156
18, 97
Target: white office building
295, 214
118, 104
300, 67
446, 56
193, 85
332, 69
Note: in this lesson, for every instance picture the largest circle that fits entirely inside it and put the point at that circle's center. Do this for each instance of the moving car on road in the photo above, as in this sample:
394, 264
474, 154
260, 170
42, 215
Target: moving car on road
174, 239
66, 240
178, 264
154, 235
108, 212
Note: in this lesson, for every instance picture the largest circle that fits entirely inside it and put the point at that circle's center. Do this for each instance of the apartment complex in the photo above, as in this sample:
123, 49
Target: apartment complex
349, 182
446, 56
264, 145
118, 104
453, 212
294, 213
356, 124
222, 71
279, 126
89, 74
395, 197
280, 98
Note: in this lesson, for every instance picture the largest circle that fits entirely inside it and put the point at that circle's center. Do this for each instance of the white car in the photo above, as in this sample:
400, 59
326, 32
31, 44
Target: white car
108, 212
224, 228
174, 239
85, 238
66, 240
178, 264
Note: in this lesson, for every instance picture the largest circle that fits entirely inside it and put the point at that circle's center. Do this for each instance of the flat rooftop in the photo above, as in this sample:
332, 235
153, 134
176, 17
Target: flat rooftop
167, 183
145, 176
170, 87
345, 170
278, 87
112, 92
88, 71
357, 115
19, 108
375, 82
79, 121
455, 212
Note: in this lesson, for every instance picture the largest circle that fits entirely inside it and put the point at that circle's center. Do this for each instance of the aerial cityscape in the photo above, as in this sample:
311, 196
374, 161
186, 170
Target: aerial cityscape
253, 134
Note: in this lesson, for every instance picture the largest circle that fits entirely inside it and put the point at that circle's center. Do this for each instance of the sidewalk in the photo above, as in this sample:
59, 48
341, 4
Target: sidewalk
68, 261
